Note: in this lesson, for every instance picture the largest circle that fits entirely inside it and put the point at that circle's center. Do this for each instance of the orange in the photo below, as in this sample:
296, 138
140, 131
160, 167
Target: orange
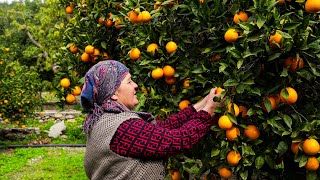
89, 49
69, 10
225, 173
175, 175
232, 133
240, 15
70, 98
231, 35
96, 52
281, 2
312, 164
184, 104
252, 132
215, 58
65, 82
292, 96
108, 23
118, 24
272, 103
243, 110
293, 64
7, 49
133, 16
201, 1
310, 146
276, 97
186, 83
233, 158
73, 49
312, 6
235, 110
5, 101
170, 80
134, 53
276, 38
219, 90
23, 126
76, 91
101, 20
6, 120
85, 57
157, 73
171, 47
145, 16
295, 147
168, 71
224, 122
152, 48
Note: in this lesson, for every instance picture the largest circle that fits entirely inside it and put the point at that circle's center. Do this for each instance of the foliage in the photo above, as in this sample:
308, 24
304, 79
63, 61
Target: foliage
249, 69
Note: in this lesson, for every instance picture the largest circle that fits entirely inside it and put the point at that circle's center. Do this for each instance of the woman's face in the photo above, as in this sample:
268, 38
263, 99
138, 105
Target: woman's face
126, 93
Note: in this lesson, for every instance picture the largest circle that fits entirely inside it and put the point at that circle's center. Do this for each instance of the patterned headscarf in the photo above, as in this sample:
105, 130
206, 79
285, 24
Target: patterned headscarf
101, 82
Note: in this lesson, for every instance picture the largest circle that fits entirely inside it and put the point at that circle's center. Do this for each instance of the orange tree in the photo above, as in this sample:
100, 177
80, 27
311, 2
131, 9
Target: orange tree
264, 53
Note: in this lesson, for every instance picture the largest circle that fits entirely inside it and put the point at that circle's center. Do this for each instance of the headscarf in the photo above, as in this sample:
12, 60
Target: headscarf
101, 82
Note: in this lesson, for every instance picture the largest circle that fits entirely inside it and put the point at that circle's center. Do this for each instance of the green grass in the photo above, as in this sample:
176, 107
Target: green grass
42, 163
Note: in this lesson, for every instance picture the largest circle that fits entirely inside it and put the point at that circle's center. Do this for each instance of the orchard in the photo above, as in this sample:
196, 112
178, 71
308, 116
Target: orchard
264, 54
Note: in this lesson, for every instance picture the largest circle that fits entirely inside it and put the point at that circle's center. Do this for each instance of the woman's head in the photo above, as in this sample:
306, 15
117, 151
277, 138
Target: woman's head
108, 81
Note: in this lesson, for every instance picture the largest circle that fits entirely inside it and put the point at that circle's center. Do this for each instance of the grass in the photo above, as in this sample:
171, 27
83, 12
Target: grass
42, 163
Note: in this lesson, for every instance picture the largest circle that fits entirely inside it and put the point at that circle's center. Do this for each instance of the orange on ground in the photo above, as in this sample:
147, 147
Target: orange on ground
73, 49
224, 122
276, 38
184, 104
168, 71
69, 10
295, 147
145, 16
134, 53
219, 90
152, 48
85, 57
70, 98
312, 164
252, 132
232, 133
170, 80
65, 82
293, 64
292, 96
233, 158
231, 35
310, 146
235, 110
175, 175
89, 49
312, 6
171, 47
225, 173
157, 73
76, 91
240, 15
243, 110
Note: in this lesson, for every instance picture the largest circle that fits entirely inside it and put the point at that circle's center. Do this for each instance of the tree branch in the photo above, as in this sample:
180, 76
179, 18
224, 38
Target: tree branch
45, 54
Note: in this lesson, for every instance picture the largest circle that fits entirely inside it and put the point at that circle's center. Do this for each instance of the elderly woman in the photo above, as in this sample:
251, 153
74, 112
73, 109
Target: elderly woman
123, 144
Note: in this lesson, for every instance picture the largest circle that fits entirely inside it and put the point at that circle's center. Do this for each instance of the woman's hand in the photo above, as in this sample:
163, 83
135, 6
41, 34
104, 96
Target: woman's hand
199, 105
210, 104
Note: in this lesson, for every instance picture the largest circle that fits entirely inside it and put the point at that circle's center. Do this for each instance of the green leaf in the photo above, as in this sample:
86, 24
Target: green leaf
287, 119
206, 50
259, 162
104, 44
289, 26
247, 150
231, 82
311, 175
305, 74
282, 148
261, 21
239, 63
215, 152
197, 71
303, 161
244, 174
269, 161
274, 56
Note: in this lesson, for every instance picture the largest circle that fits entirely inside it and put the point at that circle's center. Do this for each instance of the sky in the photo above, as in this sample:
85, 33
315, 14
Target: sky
8, 1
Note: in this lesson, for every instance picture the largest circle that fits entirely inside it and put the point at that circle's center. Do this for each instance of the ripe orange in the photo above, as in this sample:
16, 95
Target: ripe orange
157, 73
65, 82
272, 102
168, 71
293, 64
224, 122
171, 47
69, 10
235, 110
252, 132
152, 48
233, 158
240, 15
231, 35
133, 16
23, 126
70, 98
145, 16
6, 120
134, 53
310, 146
5, 101
96, 52
225, 173
184, 104
232, 133
101, 20
243, 110
186, 82
175, 175
219, 90
89, 49
85, 57
292, 96
108, 23
76, 91
312, 6
170, 80
276, 38
312, 164
118, 24
295, 147
215, 58
73, 49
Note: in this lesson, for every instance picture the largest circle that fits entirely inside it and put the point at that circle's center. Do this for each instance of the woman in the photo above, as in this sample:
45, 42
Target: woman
122, 144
